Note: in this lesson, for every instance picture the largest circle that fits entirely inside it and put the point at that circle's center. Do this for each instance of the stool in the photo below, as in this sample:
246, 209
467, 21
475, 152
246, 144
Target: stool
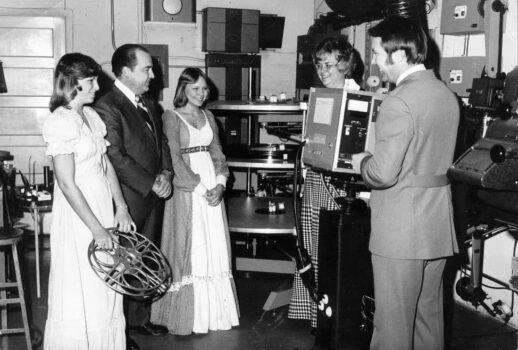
11, 237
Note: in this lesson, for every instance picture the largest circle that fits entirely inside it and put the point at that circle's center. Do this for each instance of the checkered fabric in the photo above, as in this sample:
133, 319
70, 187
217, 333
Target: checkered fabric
318, 193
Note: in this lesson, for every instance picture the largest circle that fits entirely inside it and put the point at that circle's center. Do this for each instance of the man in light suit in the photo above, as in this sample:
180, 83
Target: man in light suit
140, 155
412, 215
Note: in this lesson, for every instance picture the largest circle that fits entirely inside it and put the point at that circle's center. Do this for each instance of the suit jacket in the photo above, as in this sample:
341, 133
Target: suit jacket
416, 130
137, 154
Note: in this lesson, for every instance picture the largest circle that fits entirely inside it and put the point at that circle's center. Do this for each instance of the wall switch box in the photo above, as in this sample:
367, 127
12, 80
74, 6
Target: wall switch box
456, 76
458, 72
461, 17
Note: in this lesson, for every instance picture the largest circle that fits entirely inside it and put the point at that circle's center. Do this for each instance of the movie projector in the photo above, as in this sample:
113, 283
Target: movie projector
492, 162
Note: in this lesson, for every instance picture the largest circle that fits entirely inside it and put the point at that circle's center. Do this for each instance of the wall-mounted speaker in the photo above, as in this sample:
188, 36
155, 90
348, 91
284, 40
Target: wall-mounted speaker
230, 30
170, 11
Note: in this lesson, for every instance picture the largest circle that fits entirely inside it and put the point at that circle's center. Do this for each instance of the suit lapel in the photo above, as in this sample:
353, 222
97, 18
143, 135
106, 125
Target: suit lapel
130, 110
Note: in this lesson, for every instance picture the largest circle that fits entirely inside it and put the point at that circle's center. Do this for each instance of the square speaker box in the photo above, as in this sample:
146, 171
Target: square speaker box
230, 30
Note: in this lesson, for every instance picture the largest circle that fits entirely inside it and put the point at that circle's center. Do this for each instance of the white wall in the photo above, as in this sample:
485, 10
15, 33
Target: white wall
91, 34
453, 46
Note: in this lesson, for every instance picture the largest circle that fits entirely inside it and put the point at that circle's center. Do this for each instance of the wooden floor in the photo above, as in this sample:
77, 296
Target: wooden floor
258, 330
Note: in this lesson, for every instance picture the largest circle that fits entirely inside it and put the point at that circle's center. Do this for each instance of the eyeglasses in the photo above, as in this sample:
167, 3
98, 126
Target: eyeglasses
326, 66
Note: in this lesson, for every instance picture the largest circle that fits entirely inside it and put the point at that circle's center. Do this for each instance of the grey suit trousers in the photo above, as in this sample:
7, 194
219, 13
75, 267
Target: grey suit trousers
409, 304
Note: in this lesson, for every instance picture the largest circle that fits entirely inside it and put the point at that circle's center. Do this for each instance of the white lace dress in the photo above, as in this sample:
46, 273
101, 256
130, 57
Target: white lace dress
214, 305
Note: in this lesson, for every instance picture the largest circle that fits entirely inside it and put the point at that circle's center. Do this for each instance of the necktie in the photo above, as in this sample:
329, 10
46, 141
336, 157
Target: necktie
143, 112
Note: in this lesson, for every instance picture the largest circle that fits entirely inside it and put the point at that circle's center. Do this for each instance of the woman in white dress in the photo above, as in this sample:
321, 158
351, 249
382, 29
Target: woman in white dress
195, 235
83, 313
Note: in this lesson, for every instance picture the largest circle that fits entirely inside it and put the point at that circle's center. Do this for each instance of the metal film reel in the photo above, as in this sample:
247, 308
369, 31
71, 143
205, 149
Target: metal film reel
135, 266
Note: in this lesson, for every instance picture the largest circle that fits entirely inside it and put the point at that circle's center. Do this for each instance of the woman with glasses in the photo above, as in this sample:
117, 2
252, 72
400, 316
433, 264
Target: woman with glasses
338, 65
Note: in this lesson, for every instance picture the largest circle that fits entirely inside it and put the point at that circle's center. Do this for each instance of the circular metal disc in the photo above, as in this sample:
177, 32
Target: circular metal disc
135, 266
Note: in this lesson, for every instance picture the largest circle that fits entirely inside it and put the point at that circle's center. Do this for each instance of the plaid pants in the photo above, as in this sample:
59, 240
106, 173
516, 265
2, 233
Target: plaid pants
318, 193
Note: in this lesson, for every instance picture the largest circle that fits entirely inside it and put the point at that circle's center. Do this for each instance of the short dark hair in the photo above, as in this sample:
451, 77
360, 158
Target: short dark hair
188, 76
71, 68
400, 33
345, 53
125, 56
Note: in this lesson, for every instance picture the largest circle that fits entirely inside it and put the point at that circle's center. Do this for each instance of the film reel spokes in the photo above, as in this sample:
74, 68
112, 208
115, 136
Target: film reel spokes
135, 266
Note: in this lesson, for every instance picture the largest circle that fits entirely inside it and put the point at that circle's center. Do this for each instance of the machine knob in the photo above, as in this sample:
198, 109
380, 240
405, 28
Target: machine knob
497, 153
498, 6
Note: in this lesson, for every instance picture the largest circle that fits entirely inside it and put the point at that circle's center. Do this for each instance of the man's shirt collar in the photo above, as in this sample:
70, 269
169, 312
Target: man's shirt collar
413, 69
126, 91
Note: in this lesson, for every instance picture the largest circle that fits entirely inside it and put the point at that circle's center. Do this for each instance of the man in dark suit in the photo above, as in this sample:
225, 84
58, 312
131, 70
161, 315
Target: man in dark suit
140, 155
412, 214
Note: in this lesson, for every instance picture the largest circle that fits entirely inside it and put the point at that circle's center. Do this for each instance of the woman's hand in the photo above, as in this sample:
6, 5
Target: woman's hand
215, 195
103, 239
123, 220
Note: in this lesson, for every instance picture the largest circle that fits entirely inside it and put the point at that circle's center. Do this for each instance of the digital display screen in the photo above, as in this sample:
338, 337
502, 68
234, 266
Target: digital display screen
358, 106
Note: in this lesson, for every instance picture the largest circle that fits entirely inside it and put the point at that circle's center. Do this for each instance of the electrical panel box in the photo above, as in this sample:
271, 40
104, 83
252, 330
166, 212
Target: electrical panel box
458, 72
461, 17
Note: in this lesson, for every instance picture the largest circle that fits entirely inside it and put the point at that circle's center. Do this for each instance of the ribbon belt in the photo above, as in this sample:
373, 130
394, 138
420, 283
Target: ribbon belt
194, 149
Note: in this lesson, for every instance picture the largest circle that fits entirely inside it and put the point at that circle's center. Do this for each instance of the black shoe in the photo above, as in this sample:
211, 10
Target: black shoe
149, 329
131, 344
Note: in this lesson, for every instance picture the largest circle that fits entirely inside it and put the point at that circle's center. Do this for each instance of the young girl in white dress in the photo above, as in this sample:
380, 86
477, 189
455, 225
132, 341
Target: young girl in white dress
195, 234
83, 313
